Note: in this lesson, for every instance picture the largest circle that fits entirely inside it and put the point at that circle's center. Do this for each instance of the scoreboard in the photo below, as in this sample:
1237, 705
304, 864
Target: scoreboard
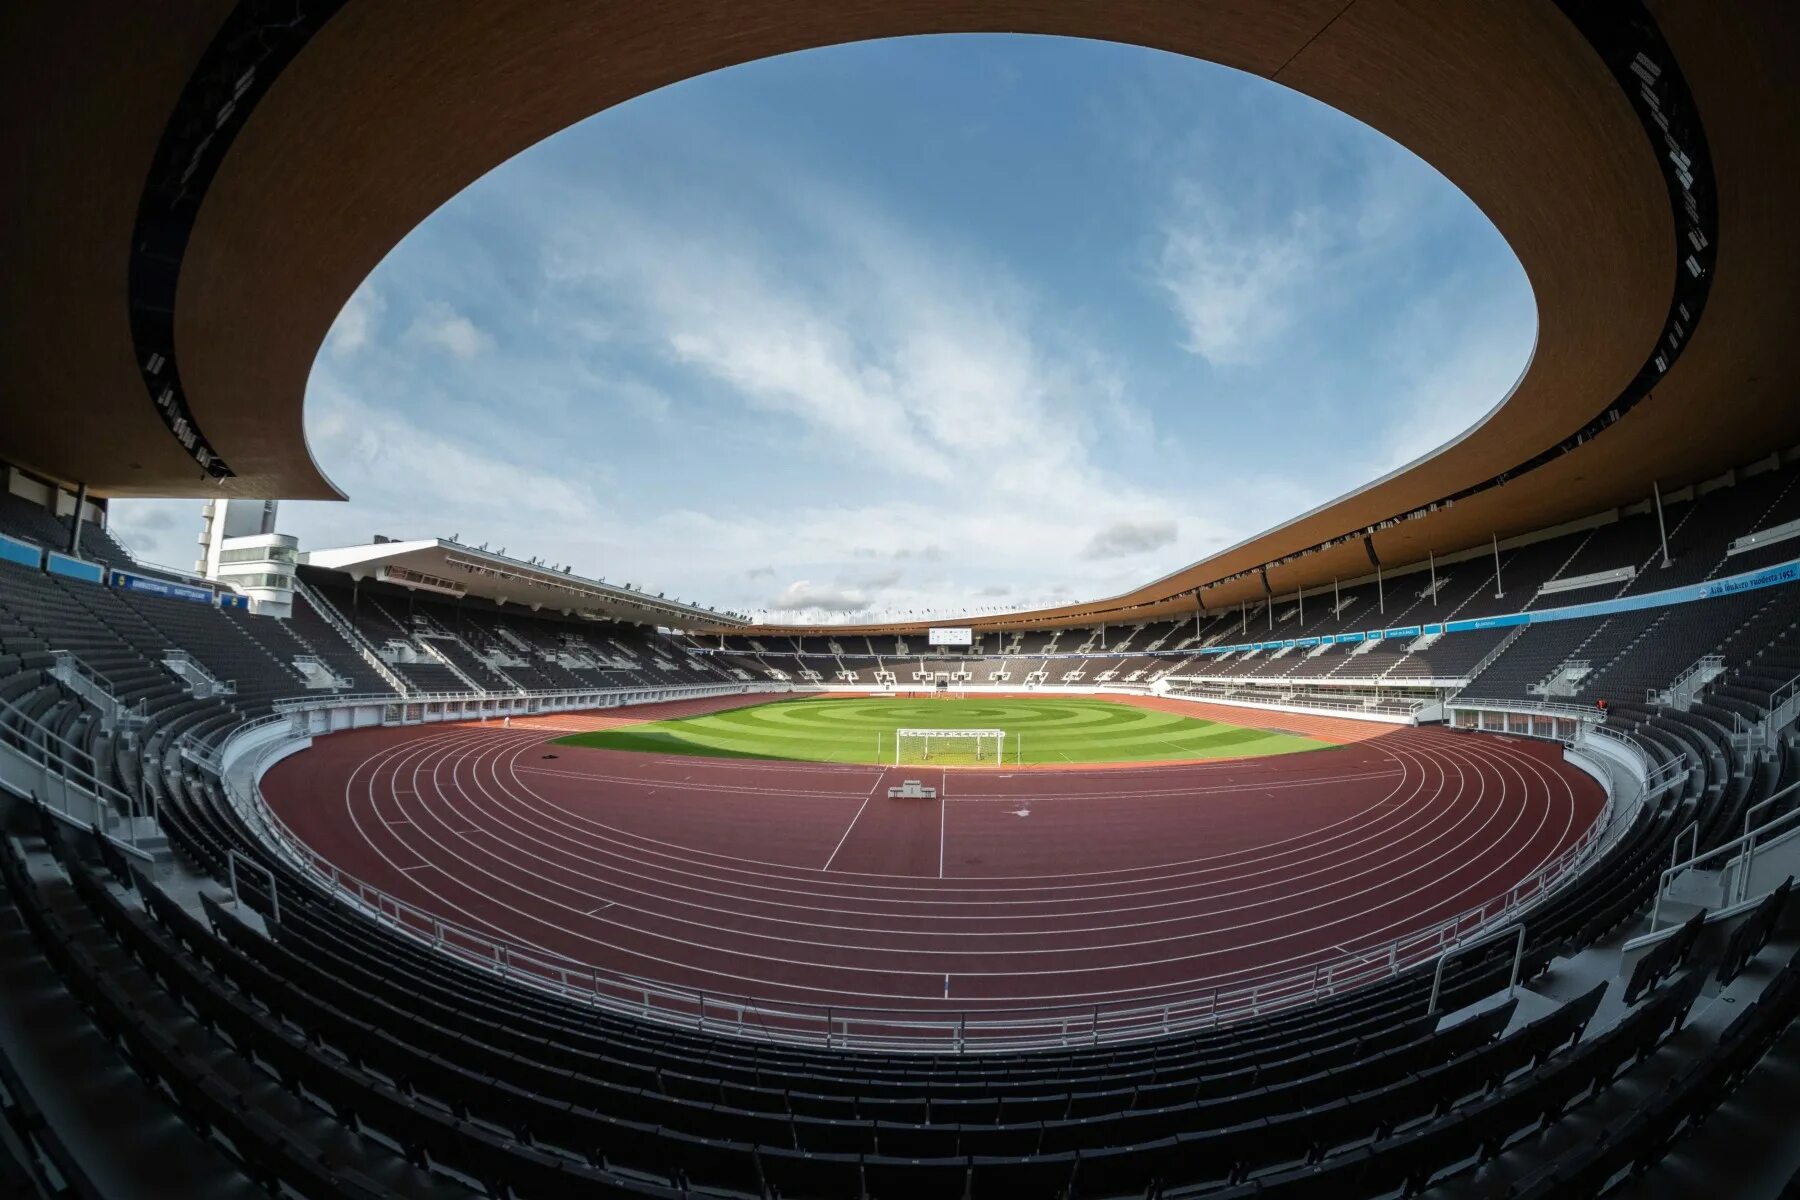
951, 637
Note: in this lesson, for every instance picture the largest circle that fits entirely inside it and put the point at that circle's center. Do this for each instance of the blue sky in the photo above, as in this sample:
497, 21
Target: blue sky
929, 324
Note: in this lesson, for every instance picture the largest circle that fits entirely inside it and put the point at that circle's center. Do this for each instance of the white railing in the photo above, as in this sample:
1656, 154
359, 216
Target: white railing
85, 682
71, 791
1684, 687
1549, 708
1488, 659
1659, 778
424, 641
1780, 708
1205, 1003
518, 701
1736, 856
331, 616
1392, 705
1750, 813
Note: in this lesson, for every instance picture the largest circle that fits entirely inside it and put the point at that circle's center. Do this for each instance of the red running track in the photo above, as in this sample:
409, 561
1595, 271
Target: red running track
806, 884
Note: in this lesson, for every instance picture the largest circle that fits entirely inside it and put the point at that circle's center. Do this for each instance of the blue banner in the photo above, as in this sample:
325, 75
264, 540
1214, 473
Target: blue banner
1470, 626
24, 553
1788, 572
233, 600
161, 587
74, 568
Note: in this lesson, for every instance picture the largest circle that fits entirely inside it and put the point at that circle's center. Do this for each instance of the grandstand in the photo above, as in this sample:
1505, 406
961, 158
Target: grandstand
317, 904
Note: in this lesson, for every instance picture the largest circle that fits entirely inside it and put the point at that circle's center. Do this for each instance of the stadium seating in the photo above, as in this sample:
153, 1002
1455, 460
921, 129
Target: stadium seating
407, 1071
433, 1063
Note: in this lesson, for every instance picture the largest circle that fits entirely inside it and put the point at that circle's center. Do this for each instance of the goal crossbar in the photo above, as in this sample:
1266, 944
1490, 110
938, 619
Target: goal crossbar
980, 737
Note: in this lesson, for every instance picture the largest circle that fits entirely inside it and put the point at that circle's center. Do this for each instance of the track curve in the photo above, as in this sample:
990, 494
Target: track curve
805, 884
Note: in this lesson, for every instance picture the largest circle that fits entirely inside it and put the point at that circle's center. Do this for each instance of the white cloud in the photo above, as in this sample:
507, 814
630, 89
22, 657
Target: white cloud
441, 326
1130, 537
803, 596
906, 352
355, 326
800, 384
156, 531
1234, 290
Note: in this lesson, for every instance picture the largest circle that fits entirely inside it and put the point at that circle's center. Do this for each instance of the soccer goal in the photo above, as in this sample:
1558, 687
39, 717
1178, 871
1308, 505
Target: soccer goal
950, 747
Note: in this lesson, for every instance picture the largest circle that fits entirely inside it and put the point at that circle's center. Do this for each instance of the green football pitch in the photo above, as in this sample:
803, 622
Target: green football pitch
1048, 730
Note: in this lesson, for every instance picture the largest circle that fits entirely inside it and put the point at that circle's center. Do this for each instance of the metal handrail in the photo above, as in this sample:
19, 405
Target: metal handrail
1376, 704
1762, 804
301, 703
1194, 1005
45, 754
1746, 841
233, 860
1437, 977
1582, 712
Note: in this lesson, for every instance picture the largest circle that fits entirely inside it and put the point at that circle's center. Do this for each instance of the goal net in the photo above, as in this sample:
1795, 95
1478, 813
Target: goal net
949, 747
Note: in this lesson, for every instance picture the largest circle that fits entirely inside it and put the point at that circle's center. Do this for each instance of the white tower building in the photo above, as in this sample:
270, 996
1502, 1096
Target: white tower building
240, 548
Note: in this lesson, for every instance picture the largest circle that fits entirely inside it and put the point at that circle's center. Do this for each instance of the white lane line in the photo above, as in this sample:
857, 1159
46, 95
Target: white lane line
1536, 770
943, 808
601, 908
853, 821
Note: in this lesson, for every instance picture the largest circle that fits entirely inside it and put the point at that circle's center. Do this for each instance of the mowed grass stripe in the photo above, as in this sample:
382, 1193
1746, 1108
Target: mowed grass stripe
1048, 730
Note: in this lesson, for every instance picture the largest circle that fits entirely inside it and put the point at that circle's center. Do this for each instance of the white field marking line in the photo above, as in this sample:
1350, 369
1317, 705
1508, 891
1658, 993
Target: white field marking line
788, 986
853, 820
733, 896
688, 854
1166, 793
816, 943
513, 824
943, 808
1109, 793
785, 766
541, 815
415, 746
710, 789
1534, 767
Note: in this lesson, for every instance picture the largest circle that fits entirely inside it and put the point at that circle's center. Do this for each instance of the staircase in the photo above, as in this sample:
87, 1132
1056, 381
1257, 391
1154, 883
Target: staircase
318, 673
442, 659
75, 675
332, 617
201, 682
1565, 680
1686, 686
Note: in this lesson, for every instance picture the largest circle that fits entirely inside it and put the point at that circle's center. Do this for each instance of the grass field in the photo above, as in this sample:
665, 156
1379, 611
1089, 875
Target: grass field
1049, 730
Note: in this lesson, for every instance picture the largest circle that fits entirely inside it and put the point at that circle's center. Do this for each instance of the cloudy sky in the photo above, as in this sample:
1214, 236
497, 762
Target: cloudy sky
924, 325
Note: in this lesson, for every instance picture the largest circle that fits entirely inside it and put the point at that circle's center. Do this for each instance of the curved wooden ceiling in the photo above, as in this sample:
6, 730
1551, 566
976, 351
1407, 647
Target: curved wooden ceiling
389, 109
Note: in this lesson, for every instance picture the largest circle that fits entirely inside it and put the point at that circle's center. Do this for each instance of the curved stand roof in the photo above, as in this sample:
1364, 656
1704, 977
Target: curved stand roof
197, 194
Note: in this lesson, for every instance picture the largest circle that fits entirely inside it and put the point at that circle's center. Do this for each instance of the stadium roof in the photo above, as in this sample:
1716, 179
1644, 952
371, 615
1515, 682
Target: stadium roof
206, 193
452, 569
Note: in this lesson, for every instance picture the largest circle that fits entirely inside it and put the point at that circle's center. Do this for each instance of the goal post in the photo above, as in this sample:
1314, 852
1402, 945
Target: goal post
950, 747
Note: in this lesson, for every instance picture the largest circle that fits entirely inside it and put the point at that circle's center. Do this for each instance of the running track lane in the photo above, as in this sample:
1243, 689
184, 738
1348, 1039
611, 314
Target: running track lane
1118, 883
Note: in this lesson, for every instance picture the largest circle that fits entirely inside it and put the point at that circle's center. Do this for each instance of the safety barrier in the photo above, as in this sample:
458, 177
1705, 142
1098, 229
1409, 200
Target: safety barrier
1203, 1003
